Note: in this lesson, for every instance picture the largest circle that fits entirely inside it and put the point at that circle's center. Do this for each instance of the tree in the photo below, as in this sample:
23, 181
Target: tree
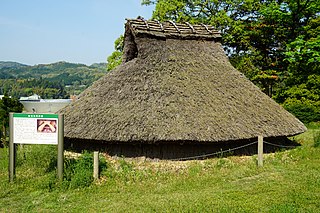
115, 59
7, 105
300, 91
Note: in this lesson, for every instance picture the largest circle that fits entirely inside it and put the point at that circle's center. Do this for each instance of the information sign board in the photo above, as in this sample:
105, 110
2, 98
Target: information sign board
35, 128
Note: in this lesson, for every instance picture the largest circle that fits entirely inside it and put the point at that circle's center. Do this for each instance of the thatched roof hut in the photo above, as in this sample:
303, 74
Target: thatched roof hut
175, 86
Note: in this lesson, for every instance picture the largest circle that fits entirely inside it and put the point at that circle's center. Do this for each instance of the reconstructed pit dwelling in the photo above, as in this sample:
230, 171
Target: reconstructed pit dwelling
175, 95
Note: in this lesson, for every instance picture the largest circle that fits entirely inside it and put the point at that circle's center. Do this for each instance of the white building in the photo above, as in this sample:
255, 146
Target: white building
35, 104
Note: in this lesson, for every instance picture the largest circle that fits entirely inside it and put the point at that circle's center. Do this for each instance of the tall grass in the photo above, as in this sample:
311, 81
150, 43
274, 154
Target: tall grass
78, 172
37, 165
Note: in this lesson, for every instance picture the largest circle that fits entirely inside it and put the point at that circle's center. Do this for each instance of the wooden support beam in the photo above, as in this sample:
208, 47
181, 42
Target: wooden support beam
260, 151
96, 165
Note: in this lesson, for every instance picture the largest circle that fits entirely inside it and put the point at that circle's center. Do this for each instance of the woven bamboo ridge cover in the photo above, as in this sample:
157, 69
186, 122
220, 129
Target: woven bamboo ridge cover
171, 29
175, 84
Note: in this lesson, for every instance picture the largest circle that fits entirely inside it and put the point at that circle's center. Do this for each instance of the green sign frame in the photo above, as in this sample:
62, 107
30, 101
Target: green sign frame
28, 123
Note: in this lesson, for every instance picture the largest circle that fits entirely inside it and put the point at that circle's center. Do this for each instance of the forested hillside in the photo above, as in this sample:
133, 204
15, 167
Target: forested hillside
10, 64
56, 80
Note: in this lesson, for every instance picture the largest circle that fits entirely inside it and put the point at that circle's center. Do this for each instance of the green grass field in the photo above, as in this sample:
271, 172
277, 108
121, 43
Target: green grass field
289, 181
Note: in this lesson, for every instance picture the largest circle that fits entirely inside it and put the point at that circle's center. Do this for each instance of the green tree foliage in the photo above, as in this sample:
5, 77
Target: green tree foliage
7, 105
301, 89
275, 43
115, 58
42, 87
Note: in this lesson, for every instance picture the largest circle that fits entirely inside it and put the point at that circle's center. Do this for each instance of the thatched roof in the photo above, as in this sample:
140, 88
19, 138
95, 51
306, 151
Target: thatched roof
170, 29
175, 85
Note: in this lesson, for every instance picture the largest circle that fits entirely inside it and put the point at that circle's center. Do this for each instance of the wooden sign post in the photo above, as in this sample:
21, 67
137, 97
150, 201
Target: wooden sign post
12, 151
60, 147
35, 129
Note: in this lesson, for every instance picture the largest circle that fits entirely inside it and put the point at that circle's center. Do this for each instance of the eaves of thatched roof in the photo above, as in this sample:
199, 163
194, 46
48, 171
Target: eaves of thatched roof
173, 89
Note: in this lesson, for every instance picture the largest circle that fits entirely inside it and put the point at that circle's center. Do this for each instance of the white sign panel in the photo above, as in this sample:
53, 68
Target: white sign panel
35, 128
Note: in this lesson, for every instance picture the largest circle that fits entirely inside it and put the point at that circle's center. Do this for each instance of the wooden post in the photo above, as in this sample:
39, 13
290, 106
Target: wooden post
260, 151
12, 151
96, 165
60, 147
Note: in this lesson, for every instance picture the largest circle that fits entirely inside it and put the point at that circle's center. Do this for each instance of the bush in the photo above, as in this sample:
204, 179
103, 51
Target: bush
305, 110
78, 172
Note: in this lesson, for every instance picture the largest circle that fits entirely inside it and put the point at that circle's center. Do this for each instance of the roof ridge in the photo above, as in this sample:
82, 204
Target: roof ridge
174, 24
171, 29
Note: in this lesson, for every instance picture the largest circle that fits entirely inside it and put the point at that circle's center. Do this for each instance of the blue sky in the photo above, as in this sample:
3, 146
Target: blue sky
79, 31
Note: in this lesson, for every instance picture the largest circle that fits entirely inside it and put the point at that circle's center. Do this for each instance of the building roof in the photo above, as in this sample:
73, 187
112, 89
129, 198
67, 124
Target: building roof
174, 90
171, 29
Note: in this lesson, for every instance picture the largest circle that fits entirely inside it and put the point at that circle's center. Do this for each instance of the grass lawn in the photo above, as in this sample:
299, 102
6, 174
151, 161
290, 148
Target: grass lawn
289, 181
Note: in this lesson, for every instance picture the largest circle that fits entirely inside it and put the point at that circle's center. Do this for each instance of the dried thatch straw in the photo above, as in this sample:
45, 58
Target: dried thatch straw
176, 85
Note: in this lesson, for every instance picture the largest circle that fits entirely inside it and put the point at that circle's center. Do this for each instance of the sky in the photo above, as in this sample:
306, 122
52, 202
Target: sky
78, 31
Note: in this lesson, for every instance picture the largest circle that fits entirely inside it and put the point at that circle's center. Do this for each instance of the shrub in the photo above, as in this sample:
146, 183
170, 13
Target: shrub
305, 110
78, 172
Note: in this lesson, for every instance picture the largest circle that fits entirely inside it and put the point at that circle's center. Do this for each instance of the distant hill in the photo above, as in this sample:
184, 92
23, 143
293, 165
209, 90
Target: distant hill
55, 80
10, 64
64, 72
